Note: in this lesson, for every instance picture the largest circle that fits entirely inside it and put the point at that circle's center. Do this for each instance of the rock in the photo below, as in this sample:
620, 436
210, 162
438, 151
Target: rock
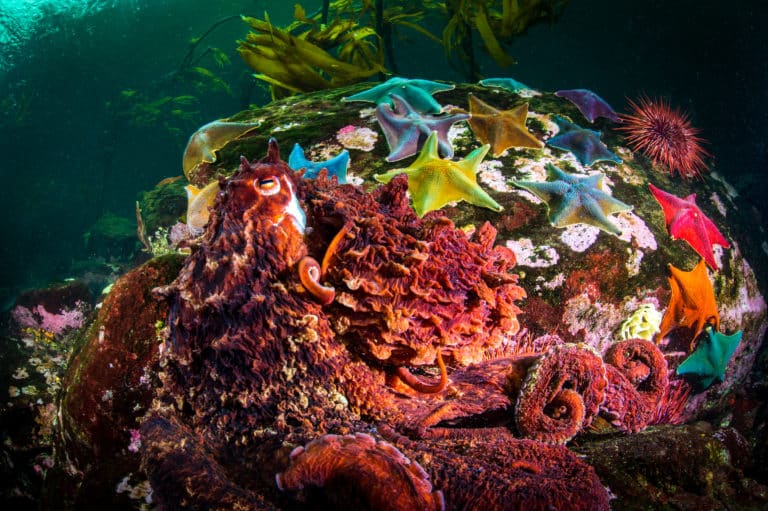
112, 237
691, 467
108, 385
163, 205
582, 283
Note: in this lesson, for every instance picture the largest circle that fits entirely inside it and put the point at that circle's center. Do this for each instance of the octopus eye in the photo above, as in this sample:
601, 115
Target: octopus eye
267, 185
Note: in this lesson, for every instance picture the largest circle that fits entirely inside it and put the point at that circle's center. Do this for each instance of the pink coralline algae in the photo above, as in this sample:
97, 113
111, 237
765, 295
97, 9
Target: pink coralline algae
40, 318
357, 137
135, 444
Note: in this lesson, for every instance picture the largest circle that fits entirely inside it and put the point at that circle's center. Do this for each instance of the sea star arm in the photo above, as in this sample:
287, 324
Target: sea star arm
459, 187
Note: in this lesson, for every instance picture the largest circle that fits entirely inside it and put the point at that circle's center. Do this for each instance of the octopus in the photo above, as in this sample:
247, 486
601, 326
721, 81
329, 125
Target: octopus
325, 346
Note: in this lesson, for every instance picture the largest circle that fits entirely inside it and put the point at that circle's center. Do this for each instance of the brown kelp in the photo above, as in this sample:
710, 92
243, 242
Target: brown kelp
497, 22
318, 57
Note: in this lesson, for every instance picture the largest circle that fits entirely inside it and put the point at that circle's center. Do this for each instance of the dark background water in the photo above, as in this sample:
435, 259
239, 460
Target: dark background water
70, 152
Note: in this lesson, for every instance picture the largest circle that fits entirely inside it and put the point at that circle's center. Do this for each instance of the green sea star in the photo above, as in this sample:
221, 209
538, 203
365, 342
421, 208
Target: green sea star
416, 92
711, 357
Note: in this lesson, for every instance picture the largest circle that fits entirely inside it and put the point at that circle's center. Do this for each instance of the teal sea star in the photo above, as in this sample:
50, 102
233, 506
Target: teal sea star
711, 357
585, 144
336, 166
509, 84
574, 199
406, 129
416, 92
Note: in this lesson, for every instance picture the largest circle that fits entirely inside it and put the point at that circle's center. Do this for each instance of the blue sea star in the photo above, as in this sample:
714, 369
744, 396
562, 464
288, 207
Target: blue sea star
589, 104
416, 92
406, 129
337, 166
711, 357
574, 199
584, 143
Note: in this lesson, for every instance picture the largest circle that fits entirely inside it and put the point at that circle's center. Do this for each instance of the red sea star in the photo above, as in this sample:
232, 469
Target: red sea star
686, 221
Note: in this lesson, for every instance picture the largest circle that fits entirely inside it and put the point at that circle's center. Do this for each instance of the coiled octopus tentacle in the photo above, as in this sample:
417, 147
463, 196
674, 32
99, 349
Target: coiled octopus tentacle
637, 381
309, 273
333, 247
425, 387
353, 467
561, 393
643, 364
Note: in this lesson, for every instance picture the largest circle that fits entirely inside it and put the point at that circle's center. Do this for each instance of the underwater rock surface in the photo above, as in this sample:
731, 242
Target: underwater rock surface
582, 283
243, 401
108, 384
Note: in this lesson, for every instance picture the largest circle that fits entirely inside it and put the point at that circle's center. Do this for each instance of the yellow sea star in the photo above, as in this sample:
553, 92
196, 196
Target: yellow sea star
434, 182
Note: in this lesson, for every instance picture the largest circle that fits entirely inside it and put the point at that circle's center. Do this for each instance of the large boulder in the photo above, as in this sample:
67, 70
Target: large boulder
582, 284
108, 387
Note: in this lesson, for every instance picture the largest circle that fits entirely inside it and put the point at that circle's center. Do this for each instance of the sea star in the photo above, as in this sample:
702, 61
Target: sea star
336, 166
509, 84
692, 304
686, 221
199, 202
589, 104
573, 199
584, 143
417, 92
406, 129
501, 128
204, 143
433, 182
711, 357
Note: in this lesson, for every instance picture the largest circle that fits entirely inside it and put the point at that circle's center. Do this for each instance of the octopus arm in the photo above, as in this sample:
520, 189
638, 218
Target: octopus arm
637, 382
492, 470
359, 467
310, 274
425, 387
182, 470
561, 394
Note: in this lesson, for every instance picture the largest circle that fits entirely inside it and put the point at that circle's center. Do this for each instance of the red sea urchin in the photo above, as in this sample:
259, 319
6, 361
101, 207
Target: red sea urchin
665, 135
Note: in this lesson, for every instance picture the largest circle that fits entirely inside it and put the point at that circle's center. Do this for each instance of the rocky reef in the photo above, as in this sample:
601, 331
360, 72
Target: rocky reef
325, 344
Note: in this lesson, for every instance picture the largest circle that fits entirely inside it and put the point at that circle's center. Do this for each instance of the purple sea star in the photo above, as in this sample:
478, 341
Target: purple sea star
589, 104
406, 129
